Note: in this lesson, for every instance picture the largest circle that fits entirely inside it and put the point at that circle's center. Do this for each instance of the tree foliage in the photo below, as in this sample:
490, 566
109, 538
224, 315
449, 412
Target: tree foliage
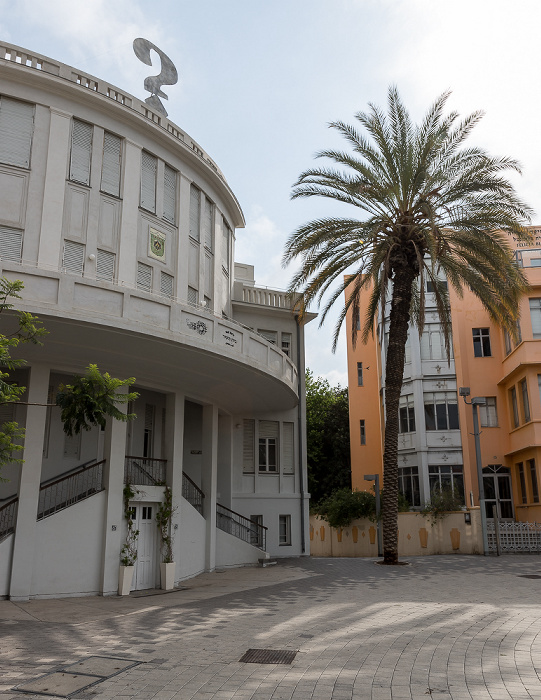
327, 431
345, 505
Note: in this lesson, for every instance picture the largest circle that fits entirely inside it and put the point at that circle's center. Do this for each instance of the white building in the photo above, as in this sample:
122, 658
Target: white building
123, 229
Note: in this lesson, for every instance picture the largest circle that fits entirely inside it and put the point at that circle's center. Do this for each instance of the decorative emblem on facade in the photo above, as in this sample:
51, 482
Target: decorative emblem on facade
167, 76
445, 458
198, 326
156, 244
229, 338
438, 369
444, 438
441, 385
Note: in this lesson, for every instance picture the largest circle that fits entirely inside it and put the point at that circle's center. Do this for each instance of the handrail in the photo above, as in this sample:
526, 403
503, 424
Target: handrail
67, 473
153, 471
72, 488
7, 518
240, 526
192, 493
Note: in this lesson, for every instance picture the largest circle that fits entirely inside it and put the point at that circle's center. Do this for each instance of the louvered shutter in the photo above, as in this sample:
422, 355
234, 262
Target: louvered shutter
207, 224
144, 277
192, 295
11, 243
7, 413
248, 449
288, 464
226, 237
81, 151
110, 172
105, 265
268, 429
169, 194
149, 166
72, 446
16, 128
195, 212
166, 284
74, 257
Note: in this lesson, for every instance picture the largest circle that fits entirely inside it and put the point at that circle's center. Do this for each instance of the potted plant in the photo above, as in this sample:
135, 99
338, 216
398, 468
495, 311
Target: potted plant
164, 516
128, 553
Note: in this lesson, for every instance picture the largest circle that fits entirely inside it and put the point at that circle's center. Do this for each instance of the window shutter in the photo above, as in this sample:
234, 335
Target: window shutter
166, 284
288, 464
149, 166
248, 451
74, 254
192, 295
16, 127
169, 194
268, 429
72, 446
144, 277
7, 413
11, 243
226, 237
535, 314
81, 150
195, 212
207, 224
105, 265
110, 172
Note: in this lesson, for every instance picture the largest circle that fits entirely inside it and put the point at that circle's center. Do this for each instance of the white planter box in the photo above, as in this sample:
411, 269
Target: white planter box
167, 576
125, 577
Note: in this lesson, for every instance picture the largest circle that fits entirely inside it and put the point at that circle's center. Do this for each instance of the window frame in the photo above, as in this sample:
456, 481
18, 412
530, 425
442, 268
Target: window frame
488, 418
362, 431
482, 346
360, 374
526, 412
284, 525
450, 399
406, 414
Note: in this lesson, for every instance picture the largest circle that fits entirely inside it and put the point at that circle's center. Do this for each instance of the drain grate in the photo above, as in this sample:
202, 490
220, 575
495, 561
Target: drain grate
268, 656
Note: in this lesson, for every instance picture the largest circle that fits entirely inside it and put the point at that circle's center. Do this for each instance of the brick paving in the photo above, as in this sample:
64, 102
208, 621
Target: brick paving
443, 627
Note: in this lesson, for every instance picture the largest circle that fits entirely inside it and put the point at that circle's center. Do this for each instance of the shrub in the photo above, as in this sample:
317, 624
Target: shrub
345, 505
442, 500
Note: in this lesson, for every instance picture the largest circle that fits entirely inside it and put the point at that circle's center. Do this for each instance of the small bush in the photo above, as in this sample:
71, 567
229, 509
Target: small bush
442, 500
344, 505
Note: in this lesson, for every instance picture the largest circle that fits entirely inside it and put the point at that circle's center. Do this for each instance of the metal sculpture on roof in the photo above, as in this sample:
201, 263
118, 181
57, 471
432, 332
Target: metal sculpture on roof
167, 76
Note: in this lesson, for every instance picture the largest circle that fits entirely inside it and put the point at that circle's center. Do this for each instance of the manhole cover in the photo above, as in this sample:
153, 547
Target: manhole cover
529, 576
268, 656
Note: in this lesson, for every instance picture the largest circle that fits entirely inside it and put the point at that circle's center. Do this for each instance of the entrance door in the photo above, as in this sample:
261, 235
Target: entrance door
497, 484
146, 566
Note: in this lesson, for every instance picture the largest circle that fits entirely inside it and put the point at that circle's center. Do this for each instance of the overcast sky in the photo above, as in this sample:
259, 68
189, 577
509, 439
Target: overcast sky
259, 80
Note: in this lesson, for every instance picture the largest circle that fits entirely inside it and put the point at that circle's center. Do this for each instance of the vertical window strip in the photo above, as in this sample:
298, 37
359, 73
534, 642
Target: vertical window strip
11, 244
74, 257
514, 406
144, 277
362, 428
288, 466
195, 212
192, 296
207, 224
286, 344
105, 265
81, 152
16, 130
169, 194
359, 373
110, 170
525, 400
533, 479
522, 482
149, 167
226, 243
166, 285
248, 446
535, 315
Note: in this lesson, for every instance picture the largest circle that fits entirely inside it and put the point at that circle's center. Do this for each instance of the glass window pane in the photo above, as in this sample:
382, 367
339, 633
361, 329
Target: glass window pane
441, 416
453, 416
430, 419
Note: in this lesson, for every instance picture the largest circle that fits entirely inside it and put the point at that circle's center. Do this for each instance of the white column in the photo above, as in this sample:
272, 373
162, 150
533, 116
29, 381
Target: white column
209, 471
174, 426
25, 532
114, 454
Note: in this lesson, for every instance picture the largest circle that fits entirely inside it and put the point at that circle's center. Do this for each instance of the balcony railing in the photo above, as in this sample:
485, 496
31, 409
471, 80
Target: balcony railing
192, 493
72, 488
239, 526
8, 514
145, 471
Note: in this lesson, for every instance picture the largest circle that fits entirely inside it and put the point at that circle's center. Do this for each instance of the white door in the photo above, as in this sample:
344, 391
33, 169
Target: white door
146, 566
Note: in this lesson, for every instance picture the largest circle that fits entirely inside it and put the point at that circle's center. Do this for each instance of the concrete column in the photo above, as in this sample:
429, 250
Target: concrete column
25, 532
209, 472
225, 460
174, 445
114, 454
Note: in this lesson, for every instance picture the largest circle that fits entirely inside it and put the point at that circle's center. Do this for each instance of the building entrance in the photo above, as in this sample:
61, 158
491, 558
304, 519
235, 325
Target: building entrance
497, 484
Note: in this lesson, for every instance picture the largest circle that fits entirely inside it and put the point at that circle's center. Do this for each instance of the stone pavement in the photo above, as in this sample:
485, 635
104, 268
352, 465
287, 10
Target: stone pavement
443, 627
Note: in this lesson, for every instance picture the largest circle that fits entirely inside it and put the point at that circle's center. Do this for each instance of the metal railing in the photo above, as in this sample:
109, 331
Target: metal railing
192, 493
64, 492
239, 526
8, 514
513, 537
145, 471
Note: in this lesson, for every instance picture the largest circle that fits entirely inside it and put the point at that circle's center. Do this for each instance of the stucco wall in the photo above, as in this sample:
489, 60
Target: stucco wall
231, 551
192, 533
6, 549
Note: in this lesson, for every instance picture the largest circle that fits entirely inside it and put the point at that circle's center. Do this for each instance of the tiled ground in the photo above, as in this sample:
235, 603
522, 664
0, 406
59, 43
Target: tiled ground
443, 627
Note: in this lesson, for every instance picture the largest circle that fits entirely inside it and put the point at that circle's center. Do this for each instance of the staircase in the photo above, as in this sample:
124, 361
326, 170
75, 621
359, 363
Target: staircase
8, 515
75, 486
239, 526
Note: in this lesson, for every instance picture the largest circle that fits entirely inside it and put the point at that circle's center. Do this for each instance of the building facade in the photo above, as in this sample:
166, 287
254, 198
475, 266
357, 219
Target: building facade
122, 230
436, 444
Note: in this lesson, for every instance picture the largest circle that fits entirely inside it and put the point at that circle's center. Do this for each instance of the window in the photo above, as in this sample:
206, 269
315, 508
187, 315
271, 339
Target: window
81, 152
533, 480
408, 485
208, 219
522, 482
406, 414
525, 400
507, 342
169, 194
11, 243
192, 296
149, 168
72, 446
481, 342
357, 321
441, 410
514, 406
488, 414
73, 258
286, 344
144, 277
166, 285
110, 169
359, 373
446, 476
430, 286
105, 265
535, 316
284, 530
268, 446
248, 451
16, 128
148, 435
271, 336
433, 343
226, 246
363, 432
195, 212
288, 462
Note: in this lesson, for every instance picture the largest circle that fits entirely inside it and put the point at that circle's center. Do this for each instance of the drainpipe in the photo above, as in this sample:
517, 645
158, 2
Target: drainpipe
300, 440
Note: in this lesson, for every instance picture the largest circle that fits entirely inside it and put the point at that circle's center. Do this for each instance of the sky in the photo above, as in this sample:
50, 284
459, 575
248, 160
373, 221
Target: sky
260, 80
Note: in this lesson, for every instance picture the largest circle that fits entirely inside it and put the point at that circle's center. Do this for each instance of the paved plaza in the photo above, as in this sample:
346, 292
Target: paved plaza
443, 627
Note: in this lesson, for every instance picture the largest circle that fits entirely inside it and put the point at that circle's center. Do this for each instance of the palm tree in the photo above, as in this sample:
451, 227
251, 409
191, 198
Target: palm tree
429, 205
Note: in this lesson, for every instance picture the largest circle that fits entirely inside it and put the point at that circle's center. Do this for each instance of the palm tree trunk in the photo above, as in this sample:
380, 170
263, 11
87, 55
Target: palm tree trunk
394, 373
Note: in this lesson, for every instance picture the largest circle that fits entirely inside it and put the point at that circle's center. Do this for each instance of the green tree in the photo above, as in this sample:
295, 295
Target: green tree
429, 207
85, 402
327, 431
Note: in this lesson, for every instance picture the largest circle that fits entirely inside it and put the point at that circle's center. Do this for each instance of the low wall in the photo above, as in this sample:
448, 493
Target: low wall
417, 536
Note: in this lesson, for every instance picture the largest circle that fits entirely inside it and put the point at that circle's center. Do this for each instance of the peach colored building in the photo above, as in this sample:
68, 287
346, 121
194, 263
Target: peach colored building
436, 443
